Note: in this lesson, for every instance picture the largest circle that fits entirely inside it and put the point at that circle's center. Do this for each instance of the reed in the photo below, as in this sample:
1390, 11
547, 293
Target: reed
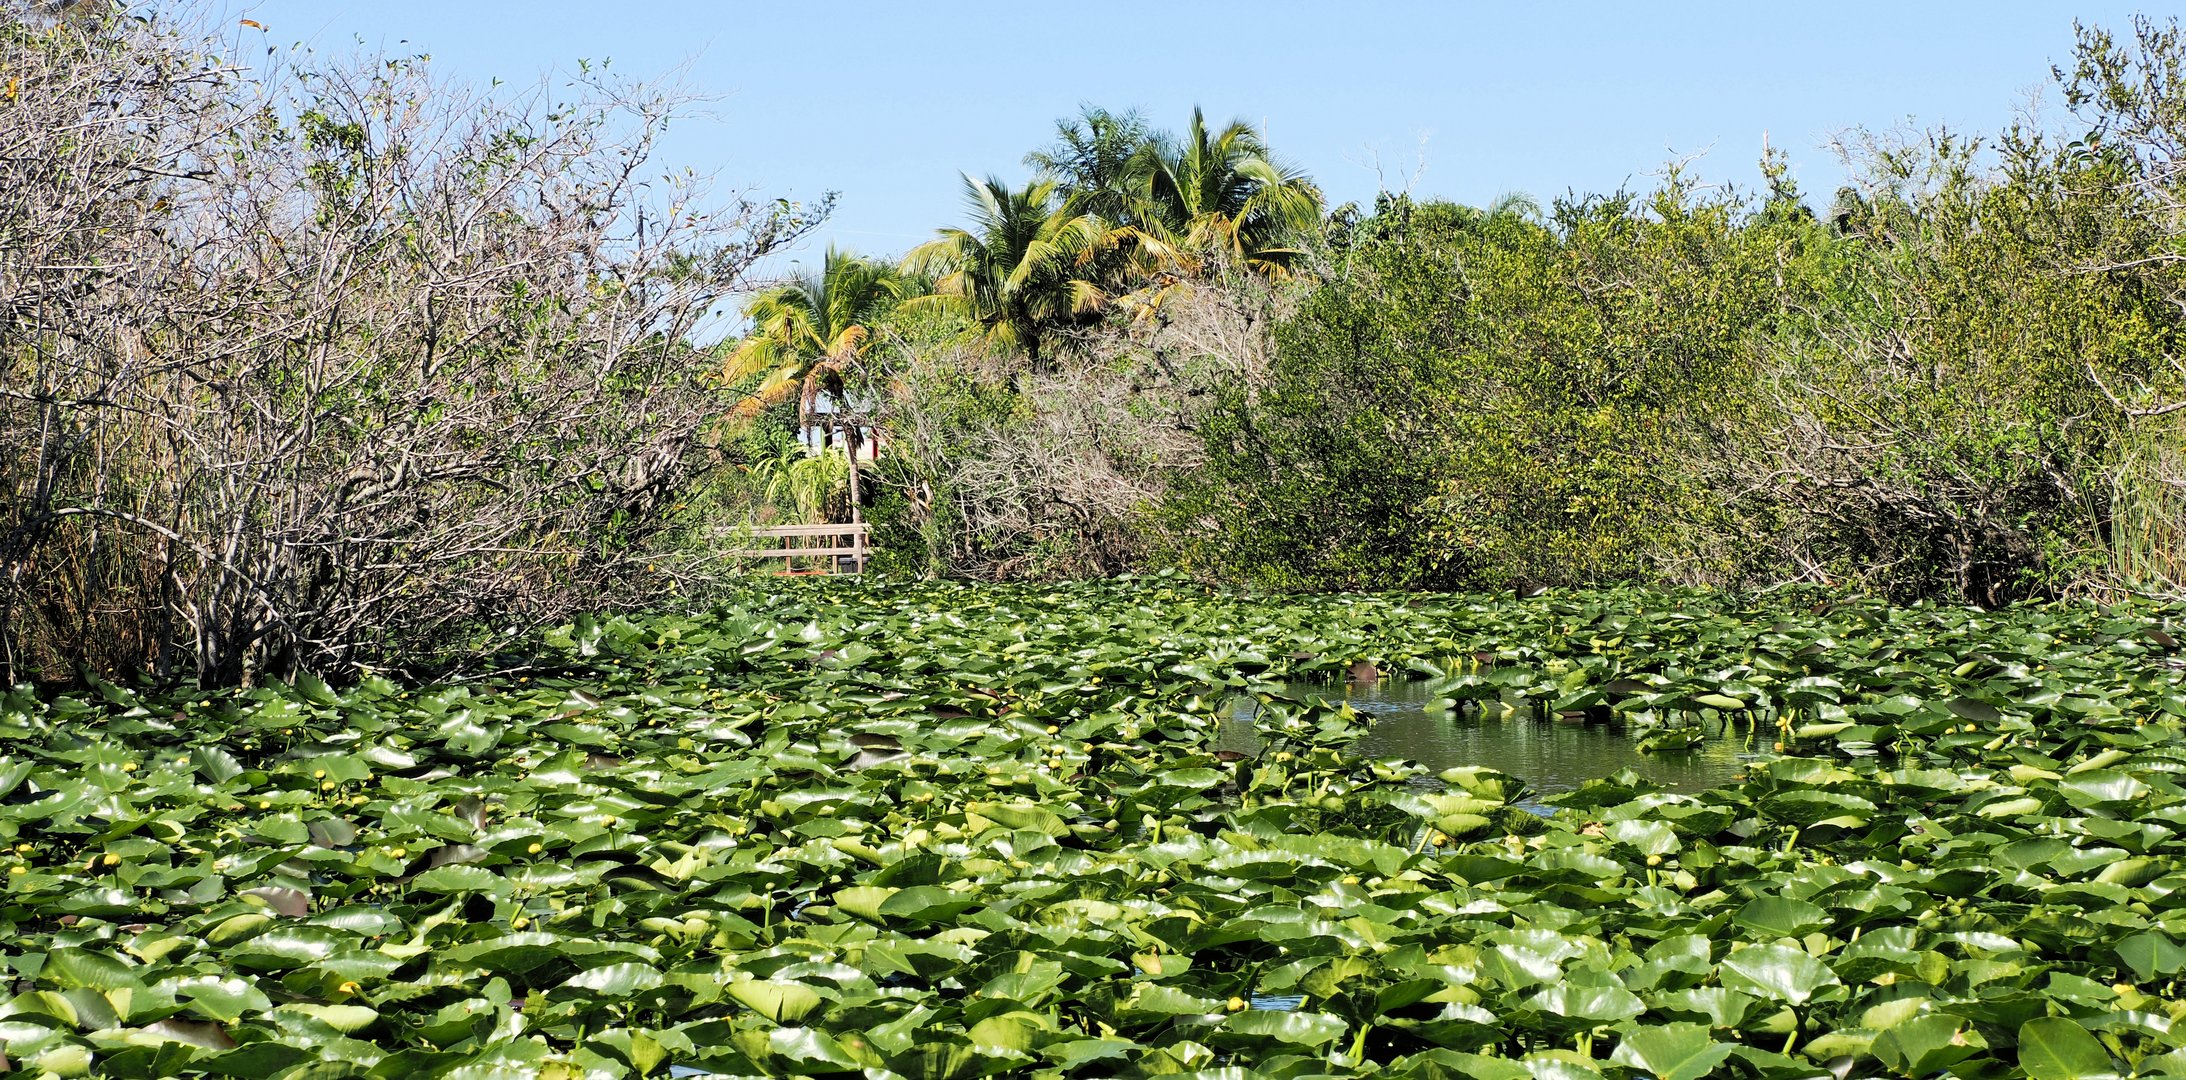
2148, 510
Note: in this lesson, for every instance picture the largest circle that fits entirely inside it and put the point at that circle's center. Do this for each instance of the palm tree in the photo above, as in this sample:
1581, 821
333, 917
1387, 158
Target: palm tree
1513, 206
1224, 191
807, 333
1095, 162
1021, 267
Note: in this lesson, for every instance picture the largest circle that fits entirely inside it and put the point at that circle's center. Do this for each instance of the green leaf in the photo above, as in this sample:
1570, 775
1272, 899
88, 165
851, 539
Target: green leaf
460, 878
1780, 916
781, 1002
315, 690
286, 947
1602, 1004
1677, 1051
1077, 1052
215, 763
616, 980
1777, 971
2151, 954
864, 901
812, 1047
1296, 1028
1012, 1032
926, 903
2058, 1048
1015, 816
238, 927
1927, 1043
347, 1019
215, 998
257, 1059
81, 968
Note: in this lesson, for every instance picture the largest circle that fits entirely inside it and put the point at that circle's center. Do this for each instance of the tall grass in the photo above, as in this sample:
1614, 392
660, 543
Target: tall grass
2148, 510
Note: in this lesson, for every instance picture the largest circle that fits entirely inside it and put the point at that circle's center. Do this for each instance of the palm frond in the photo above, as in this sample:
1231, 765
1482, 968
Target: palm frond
1086, 298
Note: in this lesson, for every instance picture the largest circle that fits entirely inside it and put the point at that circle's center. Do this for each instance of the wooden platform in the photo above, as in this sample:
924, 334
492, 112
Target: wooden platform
844, 547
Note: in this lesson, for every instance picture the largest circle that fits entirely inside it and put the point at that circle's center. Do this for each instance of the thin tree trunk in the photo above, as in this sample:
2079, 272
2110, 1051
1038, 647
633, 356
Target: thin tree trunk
851, 443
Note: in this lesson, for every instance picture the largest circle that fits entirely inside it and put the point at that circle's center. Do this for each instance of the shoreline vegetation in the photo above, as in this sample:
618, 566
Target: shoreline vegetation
325, 366
384, 702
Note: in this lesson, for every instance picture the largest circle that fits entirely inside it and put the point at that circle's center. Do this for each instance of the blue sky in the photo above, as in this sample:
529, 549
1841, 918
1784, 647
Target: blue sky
888, 103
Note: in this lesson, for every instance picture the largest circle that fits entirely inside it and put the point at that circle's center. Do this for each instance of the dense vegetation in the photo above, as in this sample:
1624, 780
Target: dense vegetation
1957, 380
341, 411
314, 367
954, 831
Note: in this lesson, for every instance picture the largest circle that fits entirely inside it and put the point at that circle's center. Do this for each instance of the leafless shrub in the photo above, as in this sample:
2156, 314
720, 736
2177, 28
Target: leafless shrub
1915, 427
1056, 476
1858, 483
319, 366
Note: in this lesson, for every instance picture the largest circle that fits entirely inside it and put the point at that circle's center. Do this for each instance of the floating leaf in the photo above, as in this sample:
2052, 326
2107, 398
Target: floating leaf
2058, 1048
1298, 1028
1776, 971
1679, 1051
781, 1002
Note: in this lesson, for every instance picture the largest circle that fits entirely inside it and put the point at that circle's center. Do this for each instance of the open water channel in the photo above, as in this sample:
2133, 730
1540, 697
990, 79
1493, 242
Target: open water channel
1551, 757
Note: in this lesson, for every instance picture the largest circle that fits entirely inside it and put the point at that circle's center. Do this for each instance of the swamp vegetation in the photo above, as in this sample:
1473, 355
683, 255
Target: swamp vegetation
947, 830
383, 702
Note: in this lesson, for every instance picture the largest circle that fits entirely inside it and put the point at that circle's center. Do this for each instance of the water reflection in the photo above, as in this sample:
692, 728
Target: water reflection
1551, 757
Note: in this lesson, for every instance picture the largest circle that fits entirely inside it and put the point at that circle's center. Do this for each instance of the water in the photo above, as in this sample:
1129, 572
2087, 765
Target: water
1551, 757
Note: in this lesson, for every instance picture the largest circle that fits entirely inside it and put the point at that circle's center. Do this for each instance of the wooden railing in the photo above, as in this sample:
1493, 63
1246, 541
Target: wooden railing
844, 547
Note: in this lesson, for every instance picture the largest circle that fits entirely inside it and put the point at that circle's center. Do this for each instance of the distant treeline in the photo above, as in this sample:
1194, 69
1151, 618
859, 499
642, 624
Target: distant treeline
1956, 378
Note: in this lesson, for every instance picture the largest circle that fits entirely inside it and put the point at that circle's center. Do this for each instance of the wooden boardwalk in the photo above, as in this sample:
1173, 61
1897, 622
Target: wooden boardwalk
843, 547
